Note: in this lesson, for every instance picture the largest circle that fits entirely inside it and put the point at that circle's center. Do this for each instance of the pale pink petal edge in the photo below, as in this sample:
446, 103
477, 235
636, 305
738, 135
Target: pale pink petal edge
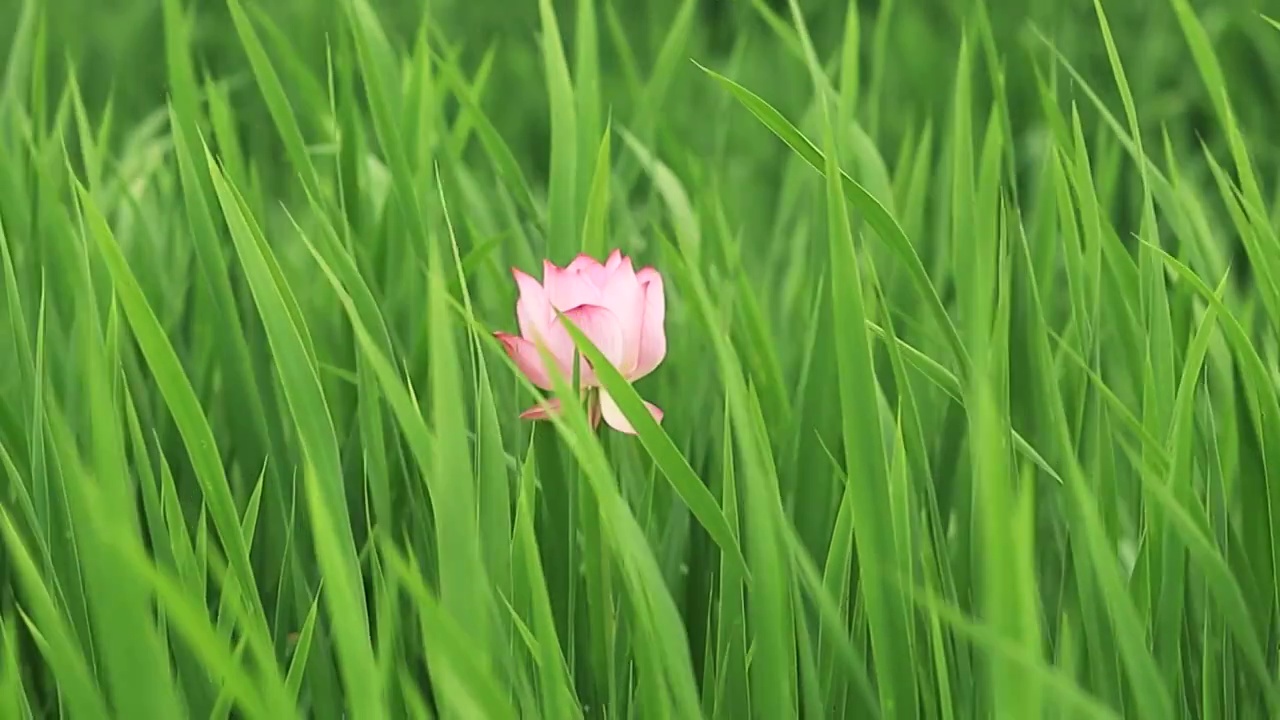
653, 333
615, 419
543, 410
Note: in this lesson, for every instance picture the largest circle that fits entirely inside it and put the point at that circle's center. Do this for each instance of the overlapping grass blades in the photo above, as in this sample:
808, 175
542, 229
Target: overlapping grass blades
970, 399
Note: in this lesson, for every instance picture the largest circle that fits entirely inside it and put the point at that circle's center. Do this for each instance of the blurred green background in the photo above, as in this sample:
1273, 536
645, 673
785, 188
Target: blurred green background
106, 40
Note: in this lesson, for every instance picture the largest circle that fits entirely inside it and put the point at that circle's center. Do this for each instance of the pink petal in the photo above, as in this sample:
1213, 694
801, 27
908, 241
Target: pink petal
616, 420
625, 296
568, 288
533, 312
601, 327
614, 259
542, 410
582, 262
653, 333
648, 274
596, 275
590, 269
526, 357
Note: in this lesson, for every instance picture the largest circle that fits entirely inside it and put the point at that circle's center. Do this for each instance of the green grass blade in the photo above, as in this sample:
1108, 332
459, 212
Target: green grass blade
306, 402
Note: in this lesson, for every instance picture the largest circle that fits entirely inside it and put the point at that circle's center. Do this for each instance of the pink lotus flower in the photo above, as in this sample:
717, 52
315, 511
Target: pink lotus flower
621, 310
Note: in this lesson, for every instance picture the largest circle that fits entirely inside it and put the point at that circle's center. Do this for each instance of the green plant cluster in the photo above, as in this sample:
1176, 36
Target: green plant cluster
972, 391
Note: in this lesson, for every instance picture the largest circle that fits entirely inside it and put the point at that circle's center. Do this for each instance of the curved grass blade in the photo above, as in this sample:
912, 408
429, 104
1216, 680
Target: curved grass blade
875, 524
59, 645
273, 93
1191, 529
1058, 688
461, 673
495, 146
305, 400
187, 617
557, 688
663, 451
465, 588
875, 214
175, 387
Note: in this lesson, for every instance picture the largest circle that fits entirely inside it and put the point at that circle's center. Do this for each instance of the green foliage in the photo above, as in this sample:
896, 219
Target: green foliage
972, 399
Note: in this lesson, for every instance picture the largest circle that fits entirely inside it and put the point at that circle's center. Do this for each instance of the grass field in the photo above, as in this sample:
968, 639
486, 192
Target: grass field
970, 393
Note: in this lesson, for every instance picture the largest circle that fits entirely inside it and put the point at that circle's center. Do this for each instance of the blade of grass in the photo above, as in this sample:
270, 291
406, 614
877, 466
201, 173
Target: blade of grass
58, 643
867, 466
887, 229
180, 397
661, 448
305, 401
562, 220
